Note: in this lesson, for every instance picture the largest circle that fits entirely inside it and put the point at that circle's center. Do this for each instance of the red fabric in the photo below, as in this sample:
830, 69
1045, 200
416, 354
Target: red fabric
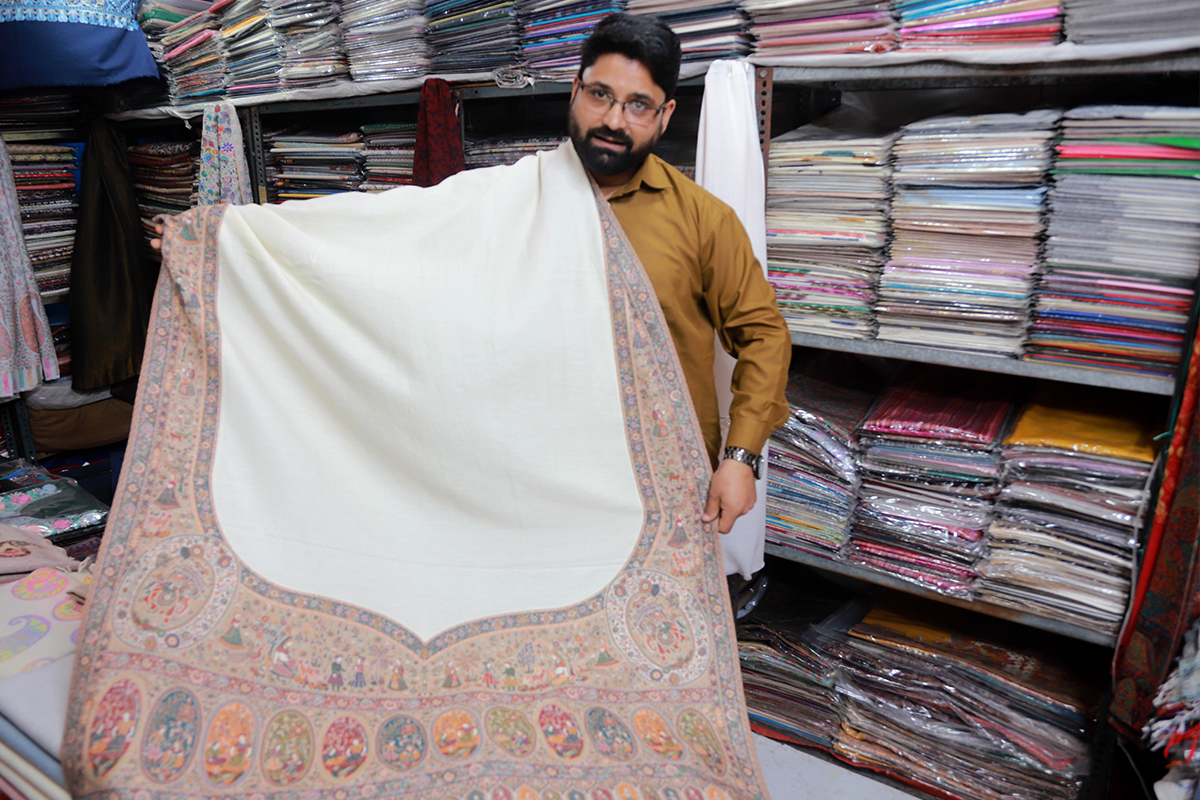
439, 152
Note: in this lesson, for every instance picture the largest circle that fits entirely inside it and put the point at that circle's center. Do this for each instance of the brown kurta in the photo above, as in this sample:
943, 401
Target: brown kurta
703, 269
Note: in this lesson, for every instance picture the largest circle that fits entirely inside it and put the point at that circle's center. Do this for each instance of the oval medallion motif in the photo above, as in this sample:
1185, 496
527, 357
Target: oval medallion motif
229, 744
697, 732
176, 592
345, 747
561, 731
113, 726
509, 729
401, 742
659, 626
653, 730
287, 748
455, 734
171, 732
611, 736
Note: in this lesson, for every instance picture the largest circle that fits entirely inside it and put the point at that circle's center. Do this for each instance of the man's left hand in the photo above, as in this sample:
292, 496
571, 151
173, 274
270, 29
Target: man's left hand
730, 495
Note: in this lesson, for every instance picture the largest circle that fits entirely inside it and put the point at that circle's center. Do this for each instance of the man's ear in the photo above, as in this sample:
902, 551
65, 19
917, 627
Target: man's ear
668, 110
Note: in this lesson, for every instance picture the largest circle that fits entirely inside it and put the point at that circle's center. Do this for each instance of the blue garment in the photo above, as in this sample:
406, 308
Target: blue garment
40, 53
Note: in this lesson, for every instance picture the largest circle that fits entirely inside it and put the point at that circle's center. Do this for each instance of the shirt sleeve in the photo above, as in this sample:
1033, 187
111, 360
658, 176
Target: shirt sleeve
750, 327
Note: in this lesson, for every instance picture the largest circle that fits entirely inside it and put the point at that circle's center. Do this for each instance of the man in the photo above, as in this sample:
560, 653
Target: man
692, 246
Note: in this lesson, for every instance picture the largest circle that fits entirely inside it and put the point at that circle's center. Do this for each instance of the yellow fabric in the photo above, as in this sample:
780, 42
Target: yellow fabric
1096, 421
705, 274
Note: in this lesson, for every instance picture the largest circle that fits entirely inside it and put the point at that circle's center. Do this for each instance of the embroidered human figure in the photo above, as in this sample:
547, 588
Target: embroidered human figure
360, 678
396, 682
281, 659
335, 674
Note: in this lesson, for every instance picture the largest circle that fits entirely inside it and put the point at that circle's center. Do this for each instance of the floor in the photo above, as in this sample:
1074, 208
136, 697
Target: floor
793, 773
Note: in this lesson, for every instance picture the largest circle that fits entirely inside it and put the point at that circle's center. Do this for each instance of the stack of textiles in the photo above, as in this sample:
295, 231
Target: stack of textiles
967, 222
1098, 21
506, 149
789, 683
36, 500
804, 27
1123, 240
929, 467
164, 180
707, 30
473, 35
553, 31
389, 148
812, 480
46, 196
253, 54
156, 16
311, 42
1076, 472
385, 39
38, 117
965, 706
307, 163
827, 224
969, 24
194, 56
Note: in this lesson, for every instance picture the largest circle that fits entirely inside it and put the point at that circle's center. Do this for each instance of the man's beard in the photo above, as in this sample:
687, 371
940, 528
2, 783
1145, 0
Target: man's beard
602, 160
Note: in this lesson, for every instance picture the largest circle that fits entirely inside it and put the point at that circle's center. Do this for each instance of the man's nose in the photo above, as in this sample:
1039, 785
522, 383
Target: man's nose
614, 118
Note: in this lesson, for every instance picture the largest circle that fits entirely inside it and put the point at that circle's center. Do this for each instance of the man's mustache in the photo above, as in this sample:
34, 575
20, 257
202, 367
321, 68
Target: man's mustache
613, 136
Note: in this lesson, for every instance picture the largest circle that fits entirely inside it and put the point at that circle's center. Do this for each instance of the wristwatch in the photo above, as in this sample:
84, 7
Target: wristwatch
746, 457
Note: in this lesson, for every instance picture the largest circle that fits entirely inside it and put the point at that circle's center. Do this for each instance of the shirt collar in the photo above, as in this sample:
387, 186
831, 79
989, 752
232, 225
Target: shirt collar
650, 174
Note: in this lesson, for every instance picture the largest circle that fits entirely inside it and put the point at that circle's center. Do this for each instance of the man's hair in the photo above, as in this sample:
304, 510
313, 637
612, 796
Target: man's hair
643, 38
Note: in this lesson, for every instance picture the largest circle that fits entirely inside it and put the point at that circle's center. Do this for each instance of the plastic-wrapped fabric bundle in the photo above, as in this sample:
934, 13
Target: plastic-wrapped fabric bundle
827, 223
553, 30
1123, 240
164, 180
389, 149
806, 27
48, 202
966, 24
1076, 471
967, 222
506, 149
966, 706
253, 50
472, 35
707, 30
386, 39
311, 41
930, 472
303, 164
813, 478
1097, 21
194, 56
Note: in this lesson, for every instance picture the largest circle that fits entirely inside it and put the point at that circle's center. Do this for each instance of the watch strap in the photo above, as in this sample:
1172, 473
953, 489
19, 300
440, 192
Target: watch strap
755, 462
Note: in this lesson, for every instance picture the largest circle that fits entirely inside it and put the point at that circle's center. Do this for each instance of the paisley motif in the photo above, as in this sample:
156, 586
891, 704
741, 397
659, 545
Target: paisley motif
113, 726
456, 734
511, 731
610, 736
171, 733
697, 732
344, 748
287, 748
401, 742
561, 731
653, 730
229, 744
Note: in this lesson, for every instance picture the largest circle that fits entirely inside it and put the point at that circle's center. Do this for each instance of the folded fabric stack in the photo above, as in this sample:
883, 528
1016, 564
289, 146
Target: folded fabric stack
930, 471
473, 35
967, 222
385, 39
828, 185
164, 180
804, 27
707, 31
194, 56
812, 479
965, 706
154, 17
1123, 240
1076, 472
553, 31
789, 682
303, 164
964, 24
1097, 21
389, 148
45, 179
506, 149
311, 42
253, 50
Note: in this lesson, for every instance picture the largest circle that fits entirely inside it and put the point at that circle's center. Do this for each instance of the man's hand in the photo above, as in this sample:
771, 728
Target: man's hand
157, 243
730, 495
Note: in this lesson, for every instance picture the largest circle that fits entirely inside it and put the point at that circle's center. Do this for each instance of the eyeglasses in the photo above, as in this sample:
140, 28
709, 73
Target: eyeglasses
637, 112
